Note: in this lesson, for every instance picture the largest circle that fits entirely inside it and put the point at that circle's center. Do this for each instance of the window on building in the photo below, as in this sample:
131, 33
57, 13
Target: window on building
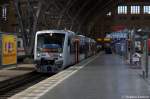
146, 9
122, 9
135, 9
4, 12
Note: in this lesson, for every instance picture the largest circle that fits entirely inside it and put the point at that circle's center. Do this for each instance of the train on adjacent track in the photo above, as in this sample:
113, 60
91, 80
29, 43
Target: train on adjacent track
20, 49
54, 50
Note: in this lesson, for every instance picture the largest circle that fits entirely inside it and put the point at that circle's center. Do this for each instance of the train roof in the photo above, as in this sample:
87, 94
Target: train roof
54, 31
81, 36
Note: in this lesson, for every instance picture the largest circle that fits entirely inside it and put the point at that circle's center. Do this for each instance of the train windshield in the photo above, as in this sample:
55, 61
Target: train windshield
50, 42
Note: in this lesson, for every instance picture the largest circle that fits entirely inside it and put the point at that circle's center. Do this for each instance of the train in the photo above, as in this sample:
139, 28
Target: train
20, 49
55, 50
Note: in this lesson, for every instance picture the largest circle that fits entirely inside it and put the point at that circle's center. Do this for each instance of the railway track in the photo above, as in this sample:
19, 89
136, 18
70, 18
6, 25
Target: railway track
14, 86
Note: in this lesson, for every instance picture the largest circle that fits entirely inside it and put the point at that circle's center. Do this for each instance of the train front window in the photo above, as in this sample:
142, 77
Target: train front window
50, 42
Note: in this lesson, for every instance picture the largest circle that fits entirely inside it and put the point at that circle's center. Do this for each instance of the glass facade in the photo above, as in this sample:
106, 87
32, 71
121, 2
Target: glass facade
135, 9
4, 12
146, 10
122, 9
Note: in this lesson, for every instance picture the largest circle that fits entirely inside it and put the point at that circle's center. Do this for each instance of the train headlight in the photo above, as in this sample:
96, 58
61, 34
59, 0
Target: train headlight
38, 54
60, 55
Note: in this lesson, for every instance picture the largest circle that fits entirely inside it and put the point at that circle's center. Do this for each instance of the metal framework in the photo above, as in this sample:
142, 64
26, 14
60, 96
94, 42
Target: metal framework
76, 15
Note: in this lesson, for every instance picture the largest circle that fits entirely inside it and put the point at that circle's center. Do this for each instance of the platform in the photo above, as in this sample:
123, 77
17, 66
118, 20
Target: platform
105, 76
15, 71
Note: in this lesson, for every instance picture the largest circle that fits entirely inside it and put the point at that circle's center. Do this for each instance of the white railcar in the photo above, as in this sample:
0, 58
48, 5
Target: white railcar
20, 49
52, 50
56, 49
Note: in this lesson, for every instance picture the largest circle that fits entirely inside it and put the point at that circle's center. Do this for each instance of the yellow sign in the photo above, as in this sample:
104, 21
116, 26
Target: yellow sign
99, 39
107, 39
9, 49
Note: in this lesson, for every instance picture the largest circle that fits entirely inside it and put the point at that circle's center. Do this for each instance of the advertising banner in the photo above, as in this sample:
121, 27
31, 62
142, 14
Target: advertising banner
9, 49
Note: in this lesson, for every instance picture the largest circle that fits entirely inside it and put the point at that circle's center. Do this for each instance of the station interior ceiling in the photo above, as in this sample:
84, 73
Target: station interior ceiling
89, 17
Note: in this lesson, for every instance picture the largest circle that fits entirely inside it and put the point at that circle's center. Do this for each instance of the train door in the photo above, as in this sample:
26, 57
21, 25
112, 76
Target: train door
77, 51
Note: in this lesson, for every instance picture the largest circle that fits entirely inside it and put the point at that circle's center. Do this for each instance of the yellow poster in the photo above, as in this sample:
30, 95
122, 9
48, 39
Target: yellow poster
9, 49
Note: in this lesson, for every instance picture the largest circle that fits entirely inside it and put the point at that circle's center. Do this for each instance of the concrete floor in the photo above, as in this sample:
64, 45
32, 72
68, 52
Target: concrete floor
13, 71
107, 77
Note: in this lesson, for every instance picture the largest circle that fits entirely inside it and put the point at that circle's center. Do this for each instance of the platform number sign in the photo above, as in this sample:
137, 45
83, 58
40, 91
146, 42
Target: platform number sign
9, 49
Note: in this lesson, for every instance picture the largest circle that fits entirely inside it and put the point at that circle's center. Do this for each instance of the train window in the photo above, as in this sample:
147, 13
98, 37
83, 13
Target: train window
50, 42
